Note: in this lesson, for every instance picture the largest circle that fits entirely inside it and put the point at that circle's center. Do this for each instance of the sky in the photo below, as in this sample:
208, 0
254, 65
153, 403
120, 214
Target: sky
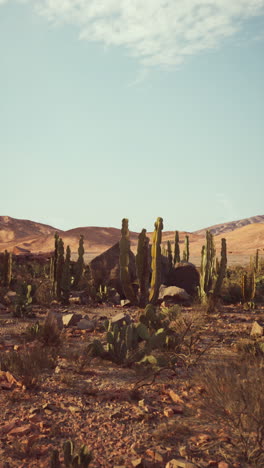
132, 108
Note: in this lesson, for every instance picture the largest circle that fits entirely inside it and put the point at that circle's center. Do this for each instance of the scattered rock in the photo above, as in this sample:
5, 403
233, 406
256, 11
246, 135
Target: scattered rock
69, 320
257, 329
120, 318
175, 398
174, 294
137, 462
180, 463
168, 412
125, 303
223, 464
84, 324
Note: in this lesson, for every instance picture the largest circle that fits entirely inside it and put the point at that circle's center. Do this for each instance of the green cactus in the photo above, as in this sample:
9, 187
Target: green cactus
220, 269
156, 262
257, 261
55, 262
7, 268
68, 450
81, 459
66, 277
124, 246
55, 460
79, 266
248, 287
170, 258
142, 267
186, 252
212, 273
59, 267
177, 257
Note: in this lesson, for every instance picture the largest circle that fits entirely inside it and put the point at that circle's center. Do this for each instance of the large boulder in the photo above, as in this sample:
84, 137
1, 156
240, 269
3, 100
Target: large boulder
186, 276
105, 269
173, 294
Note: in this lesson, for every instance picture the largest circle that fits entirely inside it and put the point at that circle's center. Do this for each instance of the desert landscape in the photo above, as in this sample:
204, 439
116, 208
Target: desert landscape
120, 349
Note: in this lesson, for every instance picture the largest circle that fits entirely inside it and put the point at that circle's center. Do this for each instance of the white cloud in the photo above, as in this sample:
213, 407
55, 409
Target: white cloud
157, 32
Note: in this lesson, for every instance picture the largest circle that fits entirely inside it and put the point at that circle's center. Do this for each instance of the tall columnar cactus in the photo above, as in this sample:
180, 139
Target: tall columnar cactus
142, 266
248, 286
55, 262
7, 268
79, 267
59, 267
170, 255
221, 269
177, 257
186, 252
257, 261
211, 278
156, 262
124, 246
66, 277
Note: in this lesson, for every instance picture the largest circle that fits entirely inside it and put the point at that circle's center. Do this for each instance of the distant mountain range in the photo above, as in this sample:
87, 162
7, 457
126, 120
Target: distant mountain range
243, 237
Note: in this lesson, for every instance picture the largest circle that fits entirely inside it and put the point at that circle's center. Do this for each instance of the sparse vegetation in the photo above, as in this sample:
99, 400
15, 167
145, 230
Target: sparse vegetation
147, 376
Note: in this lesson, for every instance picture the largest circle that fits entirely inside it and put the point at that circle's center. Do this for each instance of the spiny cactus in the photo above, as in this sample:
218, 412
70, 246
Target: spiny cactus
248, 286
59, 267
7, 268
186, 252
170, 255
81, 459
124, 246
177, 257
156, 262
55, 262
66, 277
79, 266
211, 277
142, 267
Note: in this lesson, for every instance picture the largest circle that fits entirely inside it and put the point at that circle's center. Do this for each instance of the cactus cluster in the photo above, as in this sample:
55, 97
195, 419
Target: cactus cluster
211, 273
72, 459
248, 286
142, 265
60, 269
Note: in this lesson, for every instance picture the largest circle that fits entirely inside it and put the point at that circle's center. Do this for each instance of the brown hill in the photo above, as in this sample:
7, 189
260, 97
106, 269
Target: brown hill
19, 235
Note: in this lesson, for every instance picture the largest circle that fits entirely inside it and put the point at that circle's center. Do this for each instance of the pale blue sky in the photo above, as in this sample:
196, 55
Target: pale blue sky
132, 108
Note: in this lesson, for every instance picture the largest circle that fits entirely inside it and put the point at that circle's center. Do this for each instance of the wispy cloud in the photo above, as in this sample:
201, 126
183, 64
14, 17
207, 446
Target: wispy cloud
156, 32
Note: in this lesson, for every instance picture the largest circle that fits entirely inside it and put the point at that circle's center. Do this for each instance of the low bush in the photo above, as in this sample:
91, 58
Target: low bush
234, 400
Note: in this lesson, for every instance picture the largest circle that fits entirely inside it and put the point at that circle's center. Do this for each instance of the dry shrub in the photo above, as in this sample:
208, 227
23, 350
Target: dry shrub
43, 294
234, 399
187, 329
50, 334
27, 365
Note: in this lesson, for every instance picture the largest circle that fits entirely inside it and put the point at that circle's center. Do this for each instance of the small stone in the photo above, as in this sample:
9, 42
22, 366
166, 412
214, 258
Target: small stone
120, 318
168, 412
223, 464
183, 451
125, 303
86, 325
156, 456
175, 398
180, 463
71, 319
257, 329
137, 462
